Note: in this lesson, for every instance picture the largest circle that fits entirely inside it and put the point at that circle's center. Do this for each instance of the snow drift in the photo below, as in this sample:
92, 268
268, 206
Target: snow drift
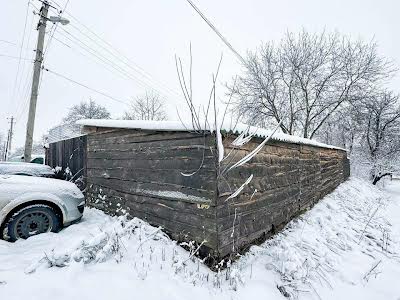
346, 247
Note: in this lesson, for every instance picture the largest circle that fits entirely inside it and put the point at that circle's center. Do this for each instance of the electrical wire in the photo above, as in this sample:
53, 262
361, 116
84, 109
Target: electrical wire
87, 87
20, 53
18, 96
152, 84
55, 28
52, 31
136, 69
118, 55
101, 57
15, 57
28, 85
7, 42
93, 58
217, 32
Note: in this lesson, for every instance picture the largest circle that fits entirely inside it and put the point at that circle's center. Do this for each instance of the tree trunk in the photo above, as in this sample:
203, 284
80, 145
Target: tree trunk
379, 177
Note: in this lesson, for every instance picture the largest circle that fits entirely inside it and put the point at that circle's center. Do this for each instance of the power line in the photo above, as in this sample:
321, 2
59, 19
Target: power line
94, 58
25, 91
55, 28
127, 61
144, 75
15, 57
78, 42
21, 108
23, 65
57, 4
22, 105
17, 45
35, 7
7, 42
47, 49
100, 56
87, 87
20, 52
28, 85
136, 69
217, 32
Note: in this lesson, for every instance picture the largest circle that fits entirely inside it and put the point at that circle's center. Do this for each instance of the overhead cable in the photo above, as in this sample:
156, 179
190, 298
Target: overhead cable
217, 32
86, 87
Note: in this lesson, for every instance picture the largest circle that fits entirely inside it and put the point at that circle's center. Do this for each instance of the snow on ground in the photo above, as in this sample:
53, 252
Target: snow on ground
346, 247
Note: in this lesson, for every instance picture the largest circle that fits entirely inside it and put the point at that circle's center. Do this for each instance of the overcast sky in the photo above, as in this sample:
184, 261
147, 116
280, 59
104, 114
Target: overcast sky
150, 33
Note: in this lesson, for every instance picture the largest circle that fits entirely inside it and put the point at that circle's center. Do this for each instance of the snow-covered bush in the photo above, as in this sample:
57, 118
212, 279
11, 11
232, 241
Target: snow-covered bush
107, 244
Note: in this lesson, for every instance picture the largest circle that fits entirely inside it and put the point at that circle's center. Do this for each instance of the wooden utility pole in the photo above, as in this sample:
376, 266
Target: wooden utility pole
35, 81
10, 136
4, 152
7, 146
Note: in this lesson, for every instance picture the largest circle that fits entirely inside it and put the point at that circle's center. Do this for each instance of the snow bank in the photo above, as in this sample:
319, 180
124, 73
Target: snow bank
180, 126
346, 247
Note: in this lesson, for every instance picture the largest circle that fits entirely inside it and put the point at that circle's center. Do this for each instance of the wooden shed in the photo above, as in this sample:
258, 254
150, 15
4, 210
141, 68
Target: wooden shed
175, 177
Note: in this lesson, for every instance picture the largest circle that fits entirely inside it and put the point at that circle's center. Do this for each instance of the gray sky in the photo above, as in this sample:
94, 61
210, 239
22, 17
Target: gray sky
151, 32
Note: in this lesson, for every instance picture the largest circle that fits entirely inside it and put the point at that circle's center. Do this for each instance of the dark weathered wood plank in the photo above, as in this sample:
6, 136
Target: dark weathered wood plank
201, 180
155, 189
183, 165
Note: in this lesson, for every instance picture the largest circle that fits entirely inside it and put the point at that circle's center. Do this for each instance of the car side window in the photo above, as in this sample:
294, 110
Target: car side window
38, 160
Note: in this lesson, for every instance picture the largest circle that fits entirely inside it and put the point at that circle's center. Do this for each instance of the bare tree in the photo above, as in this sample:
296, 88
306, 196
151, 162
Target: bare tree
306, 79
380, 140
86, 110
342, 128
37, 149
150, 106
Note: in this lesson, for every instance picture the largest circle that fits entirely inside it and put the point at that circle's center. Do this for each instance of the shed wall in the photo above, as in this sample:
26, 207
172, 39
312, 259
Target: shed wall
140, 173
287, 179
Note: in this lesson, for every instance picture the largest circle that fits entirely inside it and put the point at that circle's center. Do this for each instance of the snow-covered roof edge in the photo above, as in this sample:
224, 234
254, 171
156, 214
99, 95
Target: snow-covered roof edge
179, 126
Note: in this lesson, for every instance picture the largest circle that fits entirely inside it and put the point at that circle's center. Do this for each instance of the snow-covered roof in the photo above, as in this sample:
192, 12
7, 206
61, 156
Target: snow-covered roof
181, 126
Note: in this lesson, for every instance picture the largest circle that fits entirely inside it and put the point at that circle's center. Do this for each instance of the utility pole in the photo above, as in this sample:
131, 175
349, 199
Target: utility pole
6, 146
9, 138
37, 67
35, 81
5, 152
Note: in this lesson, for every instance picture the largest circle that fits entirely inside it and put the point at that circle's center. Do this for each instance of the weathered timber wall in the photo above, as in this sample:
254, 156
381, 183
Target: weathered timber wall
140, 173
69, 153
287, 179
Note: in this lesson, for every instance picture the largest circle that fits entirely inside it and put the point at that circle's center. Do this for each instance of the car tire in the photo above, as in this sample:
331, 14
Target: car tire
32, 220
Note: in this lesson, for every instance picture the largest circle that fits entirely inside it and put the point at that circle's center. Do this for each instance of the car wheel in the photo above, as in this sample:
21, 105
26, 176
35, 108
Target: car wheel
32, 220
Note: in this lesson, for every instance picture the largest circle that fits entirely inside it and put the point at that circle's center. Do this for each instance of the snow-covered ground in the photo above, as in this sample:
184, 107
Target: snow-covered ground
346, 247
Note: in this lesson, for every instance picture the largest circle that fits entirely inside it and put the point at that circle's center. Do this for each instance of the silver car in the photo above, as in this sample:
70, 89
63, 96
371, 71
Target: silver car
32, 205
28, 169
